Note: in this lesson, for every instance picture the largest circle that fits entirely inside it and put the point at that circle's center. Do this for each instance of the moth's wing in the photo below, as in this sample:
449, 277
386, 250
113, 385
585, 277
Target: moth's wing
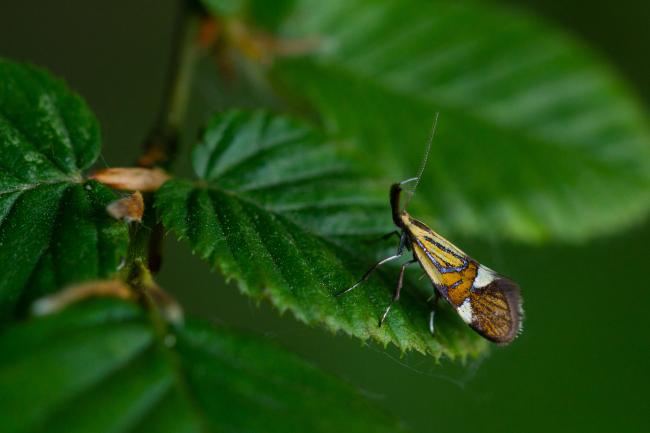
485, 300
450, 269
495, 306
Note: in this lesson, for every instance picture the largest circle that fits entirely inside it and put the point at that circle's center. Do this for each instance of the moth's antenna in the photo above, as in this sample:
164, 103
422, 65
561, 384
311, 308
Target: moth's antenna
423, 164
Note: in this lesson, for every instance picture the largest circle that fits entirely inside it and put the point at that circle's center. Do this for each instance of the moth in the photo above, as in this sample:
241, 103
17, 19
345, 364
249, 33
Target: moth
488, 302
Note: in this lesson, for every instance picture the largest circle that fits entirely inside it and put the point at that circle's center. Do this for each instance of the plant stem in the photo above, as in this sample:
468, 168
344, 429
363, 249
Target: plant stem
185, 59
161, 145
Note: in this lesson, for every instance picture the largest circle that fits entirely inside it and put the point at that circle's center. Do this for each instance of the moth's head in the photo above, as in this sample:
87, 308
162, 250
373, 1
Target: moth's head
395, 193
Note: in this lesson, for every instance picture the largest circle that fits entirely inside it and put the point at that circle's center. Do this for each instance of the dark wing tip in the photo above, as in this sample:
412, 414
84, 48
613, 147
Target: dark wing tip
516, 304
498, 324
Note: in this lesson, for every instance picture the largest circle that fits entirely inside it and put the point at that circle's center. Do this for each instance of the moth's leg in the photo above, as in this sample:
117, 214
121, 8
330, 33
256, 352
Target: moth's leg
398, 290
403, 238
400, 250
369, 272
433, 302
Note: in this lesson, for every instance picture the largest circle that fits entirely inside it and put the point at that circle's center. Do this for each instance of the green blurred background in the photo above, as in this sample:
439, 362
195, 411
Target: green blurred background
582, 361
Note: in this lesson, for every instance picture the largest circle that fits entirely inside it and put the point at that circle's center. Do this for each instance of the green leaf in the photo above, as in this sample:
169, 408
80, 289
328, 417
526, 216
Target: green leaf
102, 366
538, 139
285, 213
54, 229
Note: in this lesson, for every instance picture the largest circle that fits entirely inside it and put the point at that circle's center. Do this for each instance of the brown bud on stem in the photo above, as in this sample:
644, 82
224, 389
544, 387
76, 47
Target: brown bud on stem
132, 178
129, 208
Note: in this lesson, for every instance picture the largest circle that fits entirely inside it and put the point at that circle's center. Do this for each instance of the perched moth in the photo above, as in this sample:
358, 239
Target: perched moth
488, 302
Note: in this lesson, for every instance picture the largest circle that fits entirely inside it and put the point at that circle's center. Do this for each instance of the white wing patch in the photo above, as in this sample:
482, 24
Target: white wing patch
465, 311
484, 276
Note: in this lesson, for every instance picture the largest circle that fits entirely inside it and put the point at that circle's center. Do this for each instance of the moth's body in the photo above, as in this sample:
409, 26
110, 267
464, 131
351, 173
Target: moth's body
488, 302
